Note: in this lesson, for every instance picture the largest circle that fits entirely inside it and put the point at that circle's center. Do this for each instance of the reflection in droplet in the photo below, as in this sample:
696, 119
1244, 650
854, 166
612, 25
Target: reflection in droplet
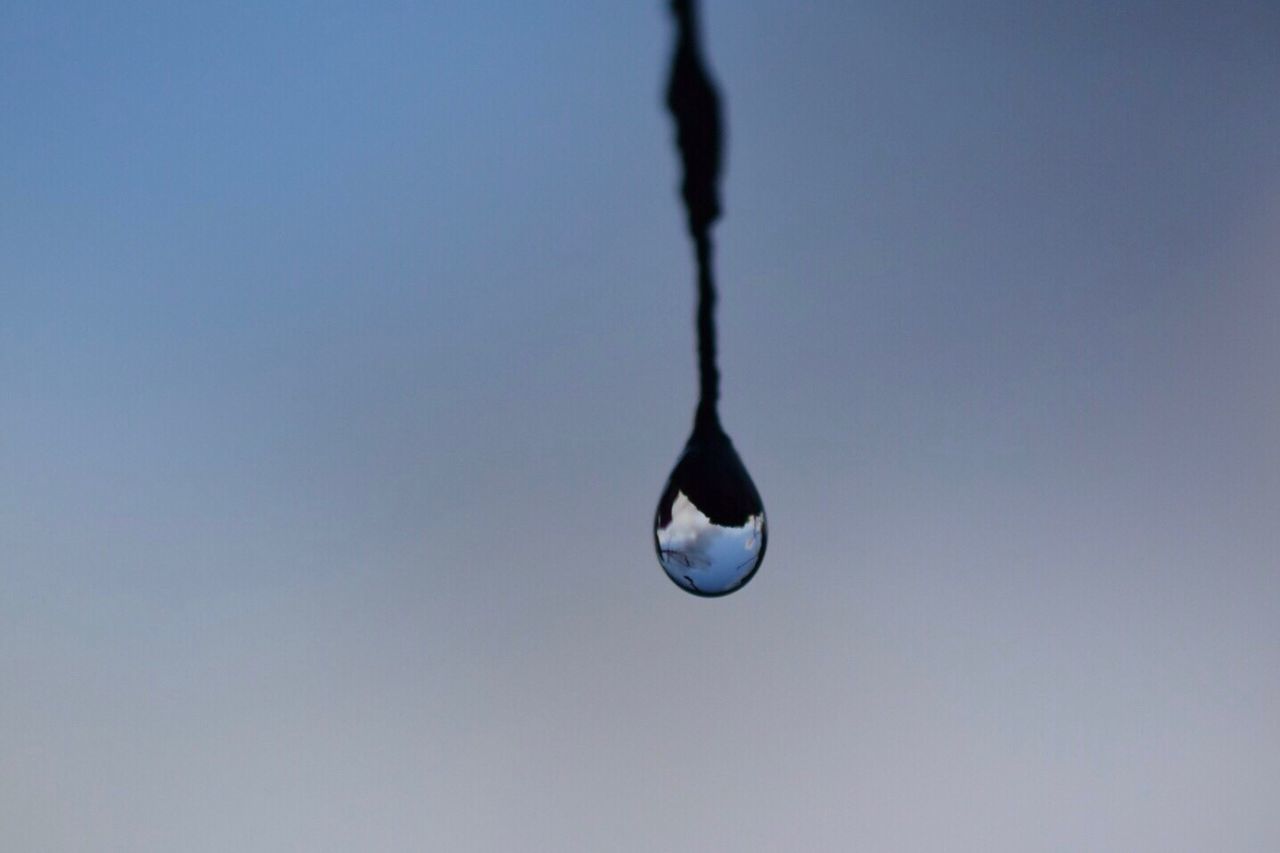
710, 530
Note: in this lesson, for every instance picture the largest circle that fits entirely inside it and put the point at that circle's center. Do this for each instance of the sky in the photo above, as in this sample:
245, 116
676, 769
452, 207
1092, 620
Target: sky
345, 348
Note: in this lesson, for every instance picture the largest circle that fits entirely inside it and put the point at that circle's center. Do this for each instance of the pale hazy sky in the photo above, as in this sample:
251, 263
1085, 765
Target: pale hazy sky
345, 348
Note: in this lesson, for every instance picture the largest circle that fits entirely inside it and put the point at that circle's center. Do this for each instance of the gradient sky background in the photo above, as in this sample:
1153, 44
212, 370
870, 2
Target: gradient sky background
345, 347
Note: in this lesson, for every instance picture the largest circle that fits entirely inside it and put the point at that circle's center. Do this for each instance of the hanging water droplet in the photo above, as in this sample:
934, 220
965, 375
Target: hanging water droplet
710, 530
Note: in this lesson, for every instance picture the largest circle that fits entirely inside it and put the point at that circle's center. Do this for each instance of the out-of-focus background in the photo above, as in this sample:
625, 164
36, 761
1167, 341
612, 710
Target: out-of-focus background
345, 347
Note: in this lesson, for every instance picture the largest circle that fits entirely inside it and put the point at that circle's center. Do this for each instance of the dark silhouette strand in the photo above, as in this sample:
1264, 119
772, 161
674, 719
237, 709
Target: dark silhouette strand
695, 105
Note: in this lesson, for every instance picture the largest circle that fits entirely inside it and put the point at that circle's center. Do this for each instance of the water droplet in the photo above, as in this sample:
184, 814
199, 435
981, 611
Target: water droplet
710, 530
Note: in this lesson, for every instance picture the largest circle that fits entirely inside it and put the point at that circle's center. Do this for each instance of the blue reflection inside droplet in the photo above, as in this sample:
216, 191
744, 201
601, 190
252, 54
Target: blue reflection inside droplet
703, 557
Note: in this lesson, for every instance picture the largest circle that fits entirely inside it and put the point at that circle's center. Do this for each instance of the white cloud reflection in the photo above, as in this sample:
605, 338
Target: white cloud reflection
703, 556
